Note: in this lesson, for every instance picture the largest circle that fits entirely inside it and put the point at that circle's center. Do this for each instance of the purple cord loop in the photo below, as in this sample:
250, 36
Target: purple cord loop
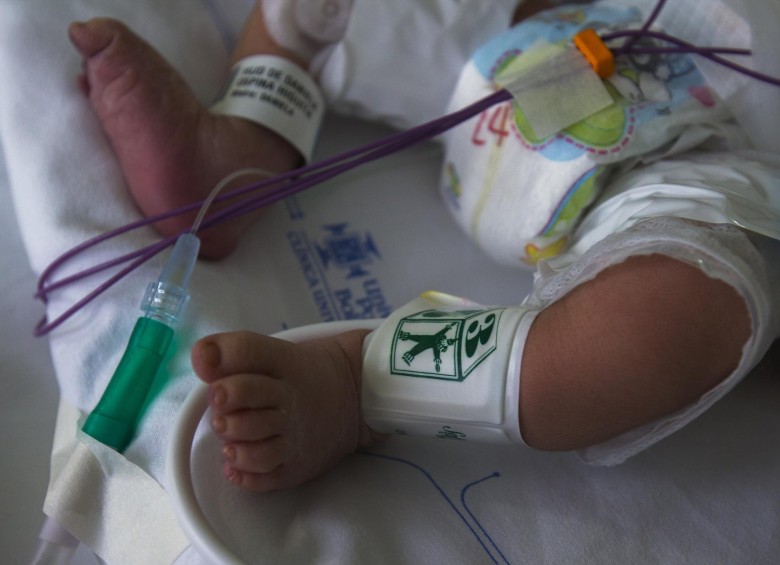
284, 185
44, 327
681, 50
710, 53
645, 26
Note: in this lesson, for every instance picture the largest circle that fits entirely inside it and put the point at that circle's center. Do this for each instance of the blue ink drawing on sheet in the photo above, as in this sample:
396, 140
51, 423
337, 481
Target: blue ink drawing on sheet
490, 541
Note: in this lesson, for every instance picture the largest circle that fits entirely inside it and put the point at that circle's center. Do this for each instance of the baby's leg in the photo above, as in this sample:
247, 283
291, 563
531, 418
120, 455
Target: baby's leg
171, 149
285, 412
641, 340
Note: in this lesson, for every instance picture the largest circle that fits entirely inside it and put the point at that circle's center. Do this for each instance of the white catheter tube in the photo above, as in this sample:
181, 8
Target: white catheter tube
56, 545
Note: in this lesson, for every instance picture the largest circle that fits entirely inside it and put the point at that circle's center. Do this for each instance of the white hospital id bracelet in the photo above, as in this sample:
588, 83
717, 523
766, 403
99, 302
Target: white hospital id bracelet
278, 94
448, 368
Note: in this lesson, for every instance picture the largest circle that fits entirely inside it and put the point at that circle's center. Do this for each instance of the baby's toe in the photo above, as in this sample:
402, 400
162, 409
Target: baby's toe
115, 61
93, 36
250, 425
236, 353
247, 392
259, 457
257, 482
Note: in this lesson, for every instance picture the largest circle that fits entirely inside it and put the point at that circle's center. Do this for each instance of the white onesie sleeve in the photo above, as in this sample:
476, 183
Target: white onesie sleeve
399, 60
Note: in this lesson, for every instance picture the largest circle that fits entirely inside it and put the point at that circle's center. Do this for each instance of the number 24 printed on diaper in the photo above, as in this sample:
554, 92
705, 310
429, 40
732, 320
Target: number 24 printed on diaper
493, 122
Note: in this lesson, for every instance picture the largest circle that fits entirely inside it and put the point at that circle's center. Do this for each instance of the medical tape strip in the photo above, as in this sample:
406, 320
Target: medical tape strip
106, 501
447, 368
278, 94
554, 87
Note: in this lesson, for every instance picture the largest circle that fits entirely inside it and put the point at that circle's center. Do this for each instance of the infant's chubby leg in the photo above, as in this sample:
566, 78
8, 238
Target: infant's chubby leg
641, 340
171, 149
285, 412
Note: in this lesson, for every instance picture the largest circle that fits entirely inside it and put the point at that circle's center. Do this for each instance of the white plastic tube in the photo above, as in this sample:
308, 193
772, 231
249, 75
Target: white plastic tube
56, 545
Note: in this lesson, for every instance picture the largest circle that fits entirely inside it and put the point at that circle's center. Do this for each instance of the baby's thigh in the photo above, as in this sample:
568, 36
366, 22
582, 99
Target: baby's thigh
653, 325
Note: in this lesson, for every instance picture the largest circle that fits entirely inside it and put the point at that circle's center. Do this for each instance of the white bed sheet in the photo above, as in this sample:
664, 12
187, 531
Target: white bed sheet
28, 393
707, 494
28, 398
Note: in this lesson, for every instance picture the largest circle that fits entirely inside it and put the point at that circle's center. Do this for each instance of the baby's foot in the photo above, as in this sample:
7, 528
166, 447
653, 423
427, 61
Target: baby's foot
285, 412
171, 149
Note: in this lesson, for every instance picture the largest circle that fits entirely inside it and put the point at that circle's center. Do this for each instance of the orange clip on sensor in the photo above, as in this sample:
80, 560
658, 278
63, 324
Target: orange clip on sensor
598, 55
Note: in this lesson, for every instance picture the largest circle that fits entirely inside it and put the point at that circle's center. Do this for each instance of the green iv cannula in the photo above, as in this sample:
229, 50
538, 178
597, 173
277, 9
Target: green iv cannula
114, 419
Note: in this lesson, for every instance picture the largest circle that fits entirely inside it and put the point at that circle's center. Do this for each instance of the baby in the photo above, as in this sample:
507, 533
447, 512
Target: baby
623, 334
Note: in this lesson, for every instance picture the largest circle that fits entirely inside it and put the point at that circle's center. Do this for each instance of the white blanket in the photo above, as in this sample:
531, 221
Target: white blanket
707, 494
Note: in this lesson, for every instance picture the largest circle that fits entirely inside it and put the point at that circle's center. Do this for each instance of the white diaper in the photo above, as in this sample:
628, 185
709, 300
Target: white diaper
399, 59
520, 194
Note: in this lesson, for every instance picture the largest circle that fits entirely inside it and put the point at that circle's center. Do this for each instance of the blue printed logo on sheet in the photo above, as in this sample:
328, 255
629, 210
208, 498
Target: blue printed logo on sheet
337, 262
347, 250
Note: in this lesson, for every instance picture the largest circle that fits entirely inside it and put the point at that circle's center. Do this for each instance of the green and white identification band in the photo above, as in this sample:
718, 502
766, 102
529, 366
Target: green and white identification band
448, 368
278, 94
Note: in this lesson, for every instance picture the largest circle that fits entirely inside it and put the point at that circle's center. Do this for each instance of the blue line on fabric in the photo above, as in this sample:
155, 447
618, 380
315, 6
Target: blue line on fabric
474, 518
441, 491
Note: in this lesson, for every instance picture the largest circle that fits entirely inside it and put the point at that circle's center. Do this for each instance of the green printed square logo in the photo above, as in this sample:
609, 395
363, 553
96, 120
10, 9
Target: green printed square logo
436, 344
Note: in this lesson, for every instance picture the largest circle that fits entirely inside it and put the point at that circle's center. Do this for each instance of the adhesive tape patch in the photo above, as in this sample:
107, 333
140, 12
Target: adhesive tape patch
554, 87
278, 94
